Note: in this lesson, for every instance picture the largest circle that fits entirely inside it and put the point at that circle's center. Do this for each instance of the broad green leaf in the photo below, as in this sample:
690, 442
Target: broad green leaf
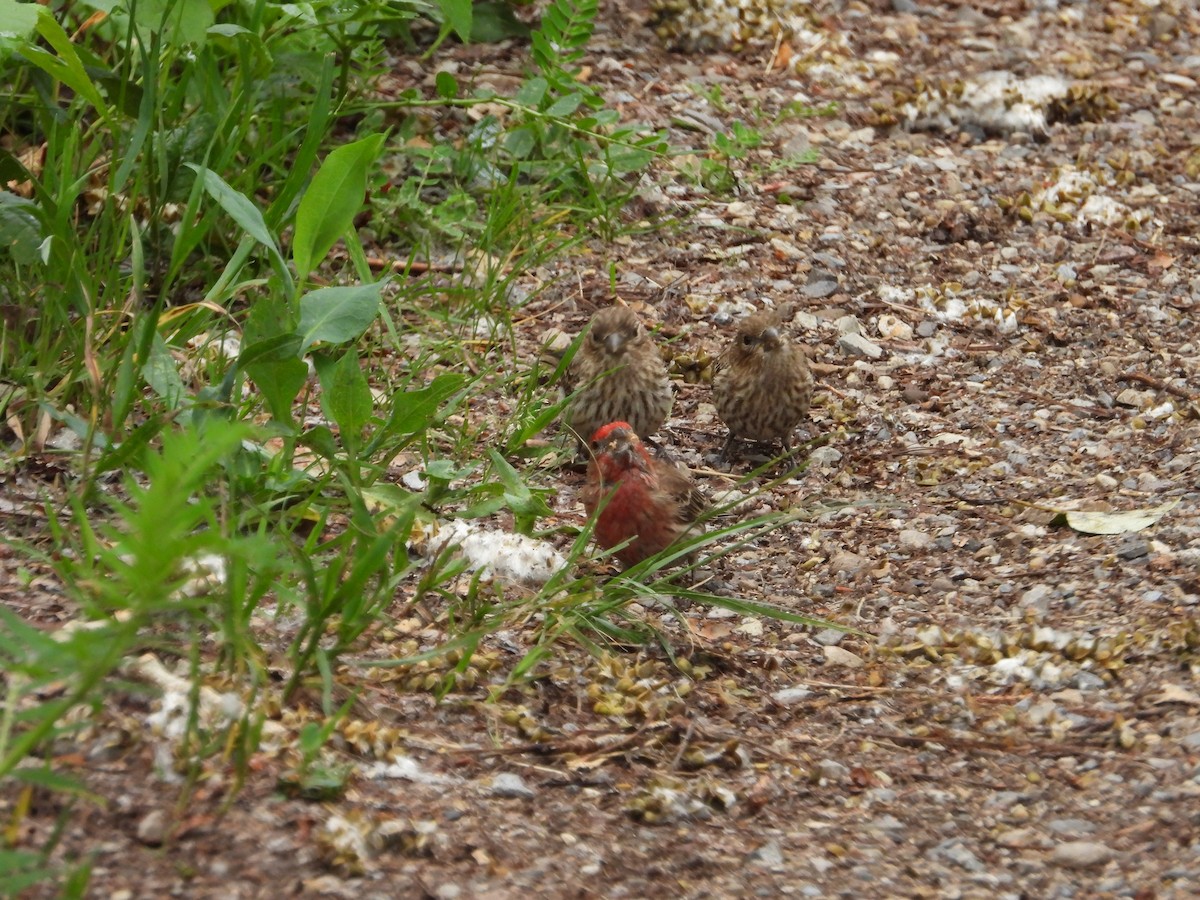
229, 30
495, 21
520, 141
279, 383
630, 161
458, 14
331, 202
447, 86
162, 374
20, 230
414, 411
180, 21
390, 498
240, 209
279, 348
17, 19
321, 440
564, 106
337, 314
532, 92
66, 66
345, 394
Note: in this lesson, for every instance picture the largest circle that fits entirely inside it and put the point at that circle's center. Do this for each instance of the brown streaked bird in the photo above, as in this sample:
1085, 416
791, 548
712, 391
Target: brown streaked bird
762, 385
620, 376
650, 502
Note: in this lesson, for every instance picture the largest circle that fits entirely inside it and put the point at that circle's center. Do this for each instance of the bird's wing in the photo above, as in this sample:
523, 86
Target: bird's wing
690, 502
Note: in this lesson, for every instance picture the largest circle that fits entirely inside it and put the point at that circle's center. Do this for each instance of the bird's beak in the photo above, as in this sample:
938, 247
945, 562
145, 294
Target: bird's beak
614, 342
770, 337
626, 456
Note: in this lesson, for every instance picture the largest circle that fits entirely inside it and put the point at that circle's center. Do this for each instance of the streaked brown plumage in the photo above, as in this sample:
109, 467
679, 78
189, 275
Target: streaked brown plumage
762, 385
620, 376
650, 501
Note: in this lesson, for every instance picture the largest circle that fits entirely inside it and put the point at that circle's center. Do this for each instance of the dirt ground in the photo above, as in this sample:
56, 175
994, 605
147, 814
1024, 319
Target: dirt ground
1021, 716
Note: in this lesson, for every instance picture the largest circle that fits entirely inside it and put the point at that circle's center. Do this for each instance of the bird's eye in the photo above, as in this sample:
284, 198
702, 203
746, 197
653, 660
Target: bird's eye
596, 337
747, 340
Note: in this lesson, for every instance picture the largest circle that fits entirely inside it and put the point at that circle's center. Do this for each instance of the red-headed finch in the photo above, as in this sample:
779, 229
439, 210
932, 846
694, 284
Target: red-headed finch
650, 502
620, 376
761, 383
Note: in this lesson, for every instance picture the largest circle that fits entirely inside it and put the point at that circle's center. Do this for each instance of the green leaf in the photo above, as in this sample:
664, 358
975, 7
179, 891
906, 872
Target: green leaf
240, 209
162, 374
414, 411
447, 87
495, 21
337, 314
17, 19
181, 22
329, 205
564, 106
520, 141
279, 383
279, 348
66, 66
321, 440
531, 92
345, 394
459, 14
225, 30
20, 230
45, 778
386, 497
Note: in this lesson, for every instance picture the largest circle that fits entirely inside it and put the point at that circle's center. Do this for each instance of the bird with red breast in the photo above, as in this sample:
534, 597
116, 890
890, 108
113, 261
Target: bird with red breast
649, 502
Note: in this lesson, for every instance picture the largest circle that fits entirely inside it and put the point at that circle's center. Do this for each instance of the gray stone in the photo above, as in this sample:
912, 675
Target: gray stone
829, 637
856, 343
820, 284
887, 823
768, 855
788, 696
825, 456
953, 851
832, 770
509, 784
1071, 827
1081, 854
1037, 597
152, 830
912, 539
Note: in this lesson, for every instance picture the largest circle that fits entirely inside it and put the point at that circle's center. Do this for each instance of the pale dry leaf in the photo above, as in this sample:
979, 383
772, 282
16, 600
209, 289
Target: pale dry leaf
1092, 522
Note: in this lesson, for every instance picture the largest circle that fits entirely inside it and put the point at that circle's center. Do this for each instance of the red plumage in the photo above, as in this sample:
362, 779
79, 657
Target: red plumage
651, 502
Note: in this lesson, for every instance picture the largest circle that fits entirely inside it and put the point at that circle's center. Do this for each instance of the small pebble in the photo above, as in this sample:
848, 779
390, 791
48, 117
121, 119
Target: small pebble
509, 784
1081, 854
856, 343
829, 637
152, 830
788, 696
1071, 827
768, 855
836, 656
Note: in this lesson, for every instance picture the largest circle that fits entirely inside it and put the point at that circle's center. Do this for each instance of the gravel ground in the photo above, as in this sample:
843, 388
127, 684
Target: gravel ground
1002, 316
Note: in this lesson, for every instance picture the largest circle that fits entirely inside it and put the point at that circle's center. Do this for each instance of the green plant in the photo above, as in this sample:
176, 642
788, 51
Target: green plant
145, 572
200, 178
